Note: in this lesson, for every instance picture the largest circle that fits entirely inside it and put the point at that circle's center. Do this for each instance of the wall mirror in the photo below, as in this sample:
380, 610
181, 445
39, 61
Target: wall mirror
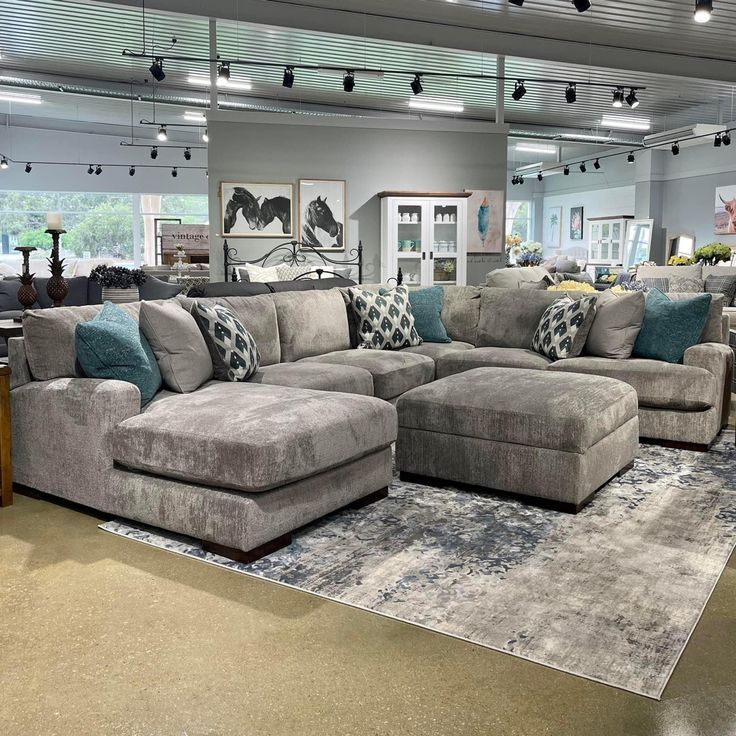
638, 241
682, 245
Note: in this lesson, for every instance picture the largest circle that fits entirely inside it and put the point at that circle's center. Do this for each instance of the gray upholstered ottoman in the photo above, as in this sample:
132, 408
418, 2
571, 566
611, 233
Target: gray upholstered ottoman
553, 436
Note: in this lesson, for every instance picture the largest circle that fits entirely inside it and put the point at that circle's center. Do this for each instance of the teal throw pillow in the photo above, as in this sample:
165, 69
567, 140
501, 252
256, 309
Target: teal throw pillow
112, 346
426, 306
671, 327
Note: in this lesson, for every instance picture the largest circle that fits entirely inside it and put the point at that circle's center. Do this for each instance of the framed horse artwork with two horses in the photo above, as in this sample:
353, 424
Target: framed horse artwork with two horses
323, 213
257, 210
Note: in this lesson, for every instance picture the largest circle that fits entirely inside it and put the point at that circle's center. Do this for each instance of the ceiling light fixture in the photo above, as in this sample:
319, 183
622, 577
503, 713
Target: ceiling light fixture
174, 172
348, 81
200, 81
205, 136
726, 138
90, 170
519, 90
582, 167
597, 165
584, 137
535, 148
571, 93
131, 171
416, 85
187, 154
717, 141
288, 80
539, 176
631, 99
162, 135
98, 170
703, 11
223, 72
566, 170
437, 105
521, 179
618, 97
4, 163
157, 69
581, 5
630, 158
154, 152
28, 168
676, 148
20, 98
192, 116
625, 123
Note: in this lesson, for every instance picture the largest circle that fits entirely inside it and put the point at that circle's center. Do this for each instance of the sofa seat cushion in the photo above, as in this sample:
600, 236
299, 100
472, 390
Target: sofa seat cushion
522, 407
394, 372
436, 350
319, 376
658, 385
251, 437
458, 362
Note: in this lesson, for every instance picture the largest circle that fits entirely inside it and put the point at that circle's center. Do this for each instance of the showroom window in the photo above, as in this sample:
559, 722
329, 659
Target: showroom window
519, 219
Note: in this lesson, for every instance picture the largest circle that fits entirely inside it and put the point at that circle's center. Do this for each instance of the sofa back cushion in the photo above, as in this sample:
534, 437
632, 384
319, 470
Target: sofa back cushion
311, 323
680, 278
49, 338
513, 278
77, 296
461, 312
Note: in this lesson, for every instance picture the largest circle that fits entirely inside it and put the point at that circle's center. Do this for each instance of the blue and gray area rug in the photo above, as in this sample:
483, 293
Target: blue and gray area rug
611, 594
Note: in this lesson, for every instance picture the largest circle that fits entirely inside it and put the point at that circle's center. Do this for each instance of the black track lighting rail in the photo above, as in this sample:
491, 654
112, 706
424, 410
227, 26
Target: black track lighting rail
372, 71
32, 163
162, 148
721, 135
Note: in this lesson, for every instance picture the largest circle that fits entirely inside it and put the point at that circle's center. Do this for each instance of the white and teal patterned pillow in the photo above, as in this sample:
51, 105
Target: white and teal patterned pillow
564, 327
385, 321
233, 350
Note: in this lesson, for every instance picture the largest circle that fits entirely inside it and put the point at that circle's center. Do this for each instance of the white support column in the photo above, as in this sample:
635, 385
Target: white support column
501, 72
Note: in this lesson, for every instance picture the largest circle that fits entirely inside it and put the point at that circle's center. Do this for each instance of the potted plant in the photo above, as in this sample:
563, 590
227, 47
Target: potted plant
712, 254
680, 261
119, 284
530, 254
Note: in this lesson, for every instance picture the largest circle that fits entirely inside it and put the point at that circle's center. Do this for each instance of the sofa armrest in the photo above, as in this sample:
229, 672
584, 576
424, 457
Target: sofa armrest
717, 359
18, 362
726, 326
62, 433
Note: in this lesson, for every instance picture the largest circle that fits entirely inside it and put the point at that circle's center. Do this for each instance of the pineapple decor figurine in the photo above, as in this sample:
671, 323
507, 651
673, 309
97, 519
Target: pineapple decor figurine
27, 293
56, 287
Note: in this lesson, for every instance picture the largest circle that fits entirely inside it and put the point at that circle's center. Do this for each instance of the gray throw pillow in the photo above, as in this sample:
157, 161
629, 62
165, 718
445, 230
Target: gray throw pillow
181, 352
617, 324
685, 284
725, 285
564, 327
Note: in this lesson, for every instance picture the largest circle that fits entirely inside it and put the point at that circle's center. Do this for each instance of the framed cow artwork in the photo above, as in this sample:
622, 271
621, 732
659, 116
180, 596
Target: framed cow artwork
323, 213
257, 210
725, 218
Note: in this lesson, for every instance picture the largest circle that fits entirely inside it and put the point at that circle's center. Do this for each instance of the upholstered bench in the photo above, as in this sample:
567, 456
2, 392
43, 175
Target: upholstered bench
557, 437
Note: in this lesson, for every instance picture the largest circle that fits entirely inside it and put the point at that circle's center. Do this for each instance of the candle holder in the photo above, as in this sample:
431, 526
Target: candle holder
27, 293
56, 287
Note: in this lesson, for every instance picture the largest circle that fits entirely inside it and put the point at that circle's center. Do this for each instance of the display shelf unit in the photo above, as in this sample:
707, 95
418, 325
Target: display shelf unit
423, 234
607, 240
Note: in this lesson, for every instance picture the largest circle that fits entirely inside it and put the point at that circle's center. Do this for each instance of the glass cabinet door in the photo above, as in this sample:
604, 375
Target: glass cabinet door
445, 224
409, 240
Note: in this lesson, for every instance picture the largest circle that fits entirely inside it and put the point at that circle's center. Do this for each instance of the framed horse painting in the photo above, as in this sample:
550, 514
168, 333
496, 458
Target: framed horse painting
257, 210
323, 213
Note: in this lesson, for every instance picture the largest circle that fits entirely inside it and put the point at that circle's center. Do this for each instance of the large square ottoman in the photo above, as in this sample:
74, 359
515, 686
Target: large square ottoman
554, 437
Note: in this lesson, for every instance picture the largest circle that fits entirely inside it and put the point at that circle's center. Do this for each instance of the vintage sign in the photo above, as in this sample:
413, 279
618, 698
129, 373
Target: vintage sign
195, 239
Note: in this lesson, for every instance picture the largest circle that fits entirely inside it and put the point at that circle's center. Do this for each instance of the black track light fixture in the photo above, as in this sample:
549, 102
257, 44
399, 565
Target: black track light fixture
174, 172
518, 3
726, 138
288, 80
630, 158
631, 99
703, 10
28, 168
566, 170
618, 97
187, 154
205, 136
162, 135
571, 93
131, 171
676, 148
717, 141
521, 180
513, 180
4, 163
583, 168
348, 81
90, 170
157, 69
597, 164
519, 90
581, 5
416, 84
98, 170
539, 176
154, 152
223, 72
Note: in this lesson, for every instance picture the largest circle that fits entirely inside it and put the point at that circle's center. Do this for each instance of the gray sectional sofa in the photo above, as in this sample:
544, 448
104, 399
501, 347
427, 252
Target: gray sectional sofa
241, 465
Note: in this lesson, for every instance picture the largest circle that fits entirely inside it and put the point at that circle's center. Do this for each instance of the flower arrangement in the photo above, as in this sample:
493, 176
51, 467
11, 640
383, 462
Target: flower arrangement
570, 285
529, 254
680, 261
117, 277
513, 241
712, 253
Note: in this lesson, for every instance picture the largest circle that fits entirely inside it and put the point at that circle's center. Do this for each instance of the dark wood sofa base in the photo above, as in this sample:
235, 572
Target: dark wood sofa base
677, 445
545, 503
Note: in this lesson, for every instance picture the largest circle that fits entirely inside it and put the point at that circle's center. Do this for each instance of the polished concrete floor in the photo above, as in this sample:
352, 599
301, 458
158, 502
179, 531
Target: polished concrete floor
101, 635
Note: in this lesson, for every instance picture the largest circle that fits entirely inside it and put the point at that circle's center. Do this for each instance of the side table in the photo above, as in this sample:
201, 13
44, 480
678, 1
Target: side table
6, 466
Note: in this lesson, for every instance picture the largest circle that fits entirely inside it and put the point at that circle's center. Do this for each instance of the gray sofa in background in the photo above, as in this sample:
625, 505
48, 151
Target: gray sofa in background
242, 465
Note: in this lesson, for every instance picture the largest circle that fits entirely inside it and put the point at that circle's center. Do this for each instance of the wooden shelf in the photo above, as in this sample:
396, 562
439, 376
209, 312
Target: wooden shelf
436, 195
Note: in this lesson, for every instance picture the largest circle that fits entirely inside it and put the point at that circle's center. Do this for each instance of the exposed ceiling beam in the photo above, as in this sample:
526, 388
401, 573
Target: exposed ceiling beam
464, 28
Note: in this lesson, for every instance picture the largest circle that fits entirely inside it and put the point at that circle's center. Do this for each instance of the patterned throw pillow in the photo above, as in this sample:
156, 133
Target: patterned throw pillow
233, 350
685, 284
289, 273
663, 284
385, 321
564, 327
725, 285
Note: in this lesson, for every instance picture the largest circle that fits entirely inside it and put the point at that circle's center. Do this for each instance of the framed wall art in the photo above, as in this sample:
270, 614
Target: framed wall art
576, 223
485, 223
323, 213
256, 210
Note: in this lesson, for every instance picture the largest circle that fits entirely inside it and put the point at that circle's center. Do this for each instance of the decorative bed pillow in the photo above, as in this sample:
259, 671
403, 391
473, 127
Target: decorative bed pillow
260, 275
564, 327
671, 327
617, 323
177, 343
233, 350
725, 285
385, 321
113, 346
289, 273
426, 307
